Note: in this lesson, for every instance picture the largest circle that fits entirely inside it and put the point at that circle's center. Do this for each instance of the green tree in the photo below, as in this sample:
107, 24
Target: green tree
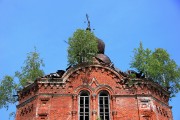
141, 59
158, 66
7, 89
82, 47
31, 69
29, 72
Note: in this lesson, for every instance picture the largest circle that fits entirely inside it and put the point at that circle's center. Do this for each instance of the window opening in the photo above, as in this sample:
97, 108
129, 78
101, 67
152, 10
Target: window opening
104, 105
84, 105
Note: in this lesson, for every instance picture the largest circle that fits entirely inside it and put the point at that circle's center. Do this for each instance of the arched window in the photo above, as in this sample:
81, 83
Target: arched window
104, 105
84, 105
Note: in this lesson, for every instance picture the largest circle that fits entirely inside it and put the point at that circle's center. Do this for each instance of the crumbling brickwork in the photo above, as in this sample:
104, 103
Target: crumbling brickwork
93, 91
55, 97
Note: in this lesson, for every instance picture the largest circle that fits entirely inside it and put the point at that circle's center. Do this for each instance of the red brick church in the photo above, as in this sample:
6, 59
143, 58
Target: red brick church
93, 92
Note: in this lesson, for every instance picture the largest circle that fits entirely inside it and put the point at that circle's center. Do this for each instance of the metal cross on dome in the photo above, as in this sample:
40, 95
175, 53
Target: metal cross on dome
88, 28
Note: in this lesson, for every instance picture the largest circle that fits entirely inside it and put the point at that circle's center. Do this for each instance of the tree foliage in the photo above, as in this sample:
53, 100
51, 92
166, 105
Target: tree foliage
82, 47
158, 66
7, 88
29, 72
141, 59
31, 69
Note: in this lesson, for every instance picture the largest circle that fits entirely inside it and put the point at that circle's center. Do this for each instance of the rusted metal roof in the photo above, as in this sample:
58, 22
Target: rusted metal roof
101, 46
103, 58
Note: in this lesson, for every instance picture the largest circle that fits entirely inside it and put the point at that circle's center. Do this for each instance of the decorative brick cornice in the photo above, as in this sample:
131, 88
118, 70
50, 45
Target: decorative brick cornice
143, 95
148, 86
75, 70
54, 95
27, 91
26, 102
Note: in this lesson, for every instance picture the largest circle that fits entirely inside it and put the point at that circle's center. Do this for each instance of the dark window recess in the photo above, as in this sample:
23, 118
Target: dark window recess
84, 106
104, 105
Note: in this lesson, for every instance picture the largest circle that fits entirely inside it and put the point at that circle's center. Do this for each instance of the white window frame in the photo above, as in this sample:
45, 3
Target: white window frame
84, 105
104, 113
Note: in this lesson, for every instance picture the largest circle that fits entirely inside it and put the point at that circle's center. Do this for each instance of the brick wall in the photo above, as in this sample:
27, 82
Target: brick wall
58, 98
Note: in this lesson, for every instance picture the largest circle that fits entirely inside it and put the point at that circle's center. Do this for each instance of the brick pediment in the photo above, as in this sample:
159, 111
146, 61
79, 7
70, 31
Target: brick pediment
74, 72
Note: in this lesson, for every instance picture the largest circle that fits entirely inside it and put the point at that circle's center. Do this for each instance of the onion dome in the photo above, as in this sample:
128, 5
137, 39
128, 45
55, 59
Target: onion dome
103, 58
101, 46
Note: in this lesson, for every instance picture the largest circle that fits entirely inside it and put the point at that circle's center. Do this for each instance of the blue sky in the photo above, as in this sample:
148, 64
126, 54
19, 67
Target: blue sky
121, 24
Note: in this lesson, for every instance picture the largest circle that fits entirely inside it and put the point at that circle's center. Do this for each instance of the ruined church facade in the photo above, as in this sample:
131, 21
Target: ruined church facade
98, 91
